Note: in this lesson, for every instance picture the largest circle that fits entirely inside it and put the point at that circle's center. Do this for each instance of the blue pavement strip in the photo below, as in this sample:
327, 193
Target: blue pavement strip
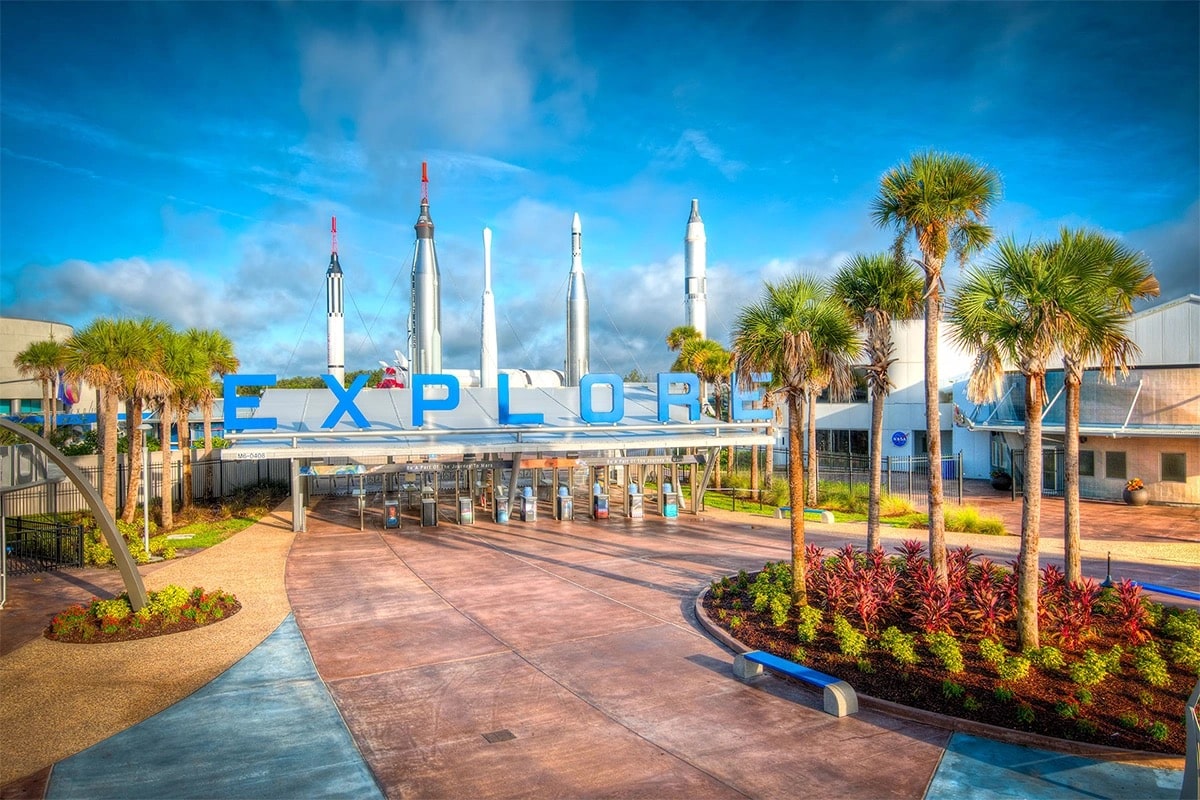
981, 768
266, 728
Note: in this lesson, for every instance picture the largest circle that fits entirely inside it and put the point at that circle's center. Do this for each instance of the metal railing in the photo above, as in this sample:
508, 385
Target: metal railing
35, 546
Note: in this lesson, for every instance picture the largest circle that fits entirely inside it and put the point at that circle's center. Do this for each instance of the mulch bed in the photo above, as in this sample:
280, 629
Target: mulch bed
1055, 700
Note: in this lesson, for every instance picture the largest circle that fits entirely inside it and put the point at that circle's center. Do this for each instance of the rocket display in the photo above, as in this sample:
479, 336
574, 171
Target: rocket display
425, 320
695, 284
488, 357
335, 310
577, 312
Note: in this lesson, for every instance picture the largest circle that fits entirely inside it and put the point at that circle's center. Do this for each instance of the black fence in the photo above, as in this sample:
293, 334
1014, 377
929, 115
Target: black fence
34, 546
903, 476
210, 480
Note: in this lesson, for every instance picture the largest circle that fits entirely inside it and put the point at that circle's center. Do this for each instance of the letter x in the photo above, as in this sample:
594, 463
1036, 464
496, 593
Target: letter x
345, 404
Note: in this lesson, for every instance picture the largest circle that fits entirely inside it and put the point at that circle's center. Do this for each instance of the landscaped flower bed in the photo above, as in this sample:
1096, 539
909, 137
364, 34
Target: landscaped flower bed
169, 610
1113, 669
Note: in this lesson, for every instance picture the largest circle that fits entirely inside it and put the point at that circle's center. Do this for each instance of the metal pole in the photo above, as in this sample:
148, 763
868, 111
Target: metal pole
145, 494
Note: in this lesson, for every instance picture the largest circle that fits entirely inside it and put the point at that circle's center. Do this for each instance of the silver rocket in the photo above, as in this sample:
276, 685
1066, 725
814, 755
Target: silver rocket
577, 311
695, 285
425, 320
488, 358
335, 313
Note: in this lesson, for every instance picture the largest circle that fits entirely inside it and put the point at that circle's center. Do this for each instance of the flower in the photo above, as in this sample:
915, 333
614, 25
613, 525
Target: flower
1133, 484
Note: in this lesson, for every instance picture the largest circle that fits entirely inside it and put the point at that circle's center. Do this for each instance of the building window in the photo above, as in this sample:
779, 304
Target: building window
1174, 467
5, 407
1087, 463
31, 406
1114, 464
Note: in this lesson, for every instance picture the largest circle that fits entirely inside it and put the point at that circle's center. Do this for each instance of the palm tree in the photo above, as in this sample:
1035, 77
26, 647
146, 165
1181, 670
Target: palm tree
943, 200
216, 351
43, 361
878, 289
185, 371
1126, 277
140, 386
1018, 310
785, 333
681, 335
104, 354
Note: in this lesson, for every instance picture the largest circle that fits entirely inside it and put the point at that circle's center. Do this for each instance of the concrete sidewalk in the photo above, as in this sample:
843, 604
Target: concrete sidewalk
543, 660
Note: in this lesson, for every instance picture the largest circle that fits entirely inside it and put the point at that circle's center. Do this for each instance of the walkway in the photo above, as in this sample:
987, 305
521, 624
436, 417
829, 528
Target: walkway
547, 660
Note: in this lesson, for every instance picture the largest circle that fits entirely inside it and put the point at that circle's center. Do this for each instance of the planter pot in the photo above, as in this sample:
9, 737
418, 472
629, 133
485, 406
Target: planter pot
1136, 497
1002, 483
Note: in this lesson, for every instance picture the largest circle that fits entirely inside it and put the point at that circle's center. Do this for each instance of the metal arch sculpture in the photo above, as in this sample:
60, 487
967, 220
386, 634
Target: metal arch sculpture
108, 526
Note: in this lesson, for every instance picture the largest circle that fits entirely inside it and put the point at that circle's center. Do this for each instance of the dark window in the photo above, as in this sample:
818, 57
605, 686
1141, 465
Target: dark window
860, 443
1174, 467
1087, 463
822, 441
1114, 464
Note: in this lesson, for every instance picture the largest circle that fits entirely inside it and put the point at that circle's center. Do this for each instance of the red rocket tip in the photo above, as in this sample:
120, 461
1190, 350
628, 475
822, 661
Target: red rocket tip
424, 172
335, 224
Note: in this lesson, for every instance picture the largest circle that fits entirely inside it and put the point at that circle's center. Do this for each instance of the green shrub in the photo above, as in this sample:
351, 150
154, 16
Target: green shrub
1085, 728
1158, 732
810, 619
971, 704
799, 655
1025, 714
1013, 669
1093, 668
1146, 699
992, 652
1004, 694
865, 665
968, 519
894, 505
1046, 658
1150, 664
1066, 709
1129, 720
946, 649
900, 646
116, 609
952, 690
1183, 627
851, 643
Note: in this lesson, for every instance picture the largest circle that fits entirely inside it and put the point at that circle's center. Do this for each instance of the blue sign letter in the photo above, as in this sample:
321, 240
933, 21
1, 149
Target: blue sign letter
739, 399
420, 405
232, 403
689, 397
506, 417
345, 402
614, 414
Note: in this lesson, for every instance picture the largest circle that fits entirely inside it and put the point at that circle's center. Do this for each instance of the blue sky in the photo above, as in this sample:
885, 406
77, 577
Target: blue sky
183, 160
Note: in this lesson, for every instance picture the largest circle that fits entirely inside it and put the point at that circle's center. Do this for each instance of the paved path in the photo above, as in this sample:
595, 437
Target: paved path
547, 660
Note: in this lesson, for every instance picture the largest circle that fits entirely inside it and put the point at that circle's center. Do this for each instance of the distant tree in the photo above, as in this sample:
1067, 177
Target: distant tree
878, 289
43, 361
943, 200
635, 375
300, 382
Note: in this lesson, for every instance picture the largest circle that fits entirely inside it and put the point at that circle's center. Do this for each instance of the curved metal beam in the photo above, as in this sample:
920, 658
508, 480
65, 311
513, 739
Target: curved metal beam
116, 542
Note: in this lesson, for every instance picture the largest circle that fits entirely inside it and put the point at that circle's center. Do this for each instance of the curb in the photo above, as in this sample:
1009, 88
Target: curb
1007, 735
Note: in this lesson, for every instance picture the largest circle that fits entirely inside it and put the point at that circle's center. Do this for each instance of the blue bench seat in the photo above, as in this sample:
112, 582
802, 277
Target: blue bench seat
839, 696
826, 516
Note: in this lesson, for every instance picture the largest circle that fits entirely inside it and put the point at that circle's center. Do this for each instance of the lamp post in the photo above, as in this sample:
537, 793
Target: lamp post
145, 428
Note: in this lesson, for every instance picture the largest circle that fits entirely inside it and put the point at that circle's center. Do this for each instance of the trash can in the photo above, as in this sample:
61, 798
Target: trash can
391, 513
466, 511
599, 502
563, 506
429, 509
634, 501
500, 506
670, 501
528, 505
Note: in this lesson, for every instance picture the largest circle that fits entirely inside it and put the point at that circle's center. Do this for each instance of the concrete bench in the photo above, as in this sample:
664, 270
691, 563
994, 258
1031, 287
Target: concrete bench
840, 698
826, 516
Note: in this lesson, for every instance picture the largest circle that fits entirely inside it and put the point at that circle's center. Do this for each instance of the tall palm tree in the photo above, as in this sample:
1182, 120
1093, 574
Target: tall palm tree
681, 335
1126, 277
43, 361
216, 350
784, 333
103, 354
1017, 310
878, 289
185, 371
943, 200
140, 385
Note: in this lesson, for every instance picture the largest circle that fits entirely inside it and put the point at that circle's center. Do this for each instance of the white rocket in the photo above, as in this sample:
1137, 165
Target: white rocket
425, 320
335, 311
488, 358
577, 312
695, 284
